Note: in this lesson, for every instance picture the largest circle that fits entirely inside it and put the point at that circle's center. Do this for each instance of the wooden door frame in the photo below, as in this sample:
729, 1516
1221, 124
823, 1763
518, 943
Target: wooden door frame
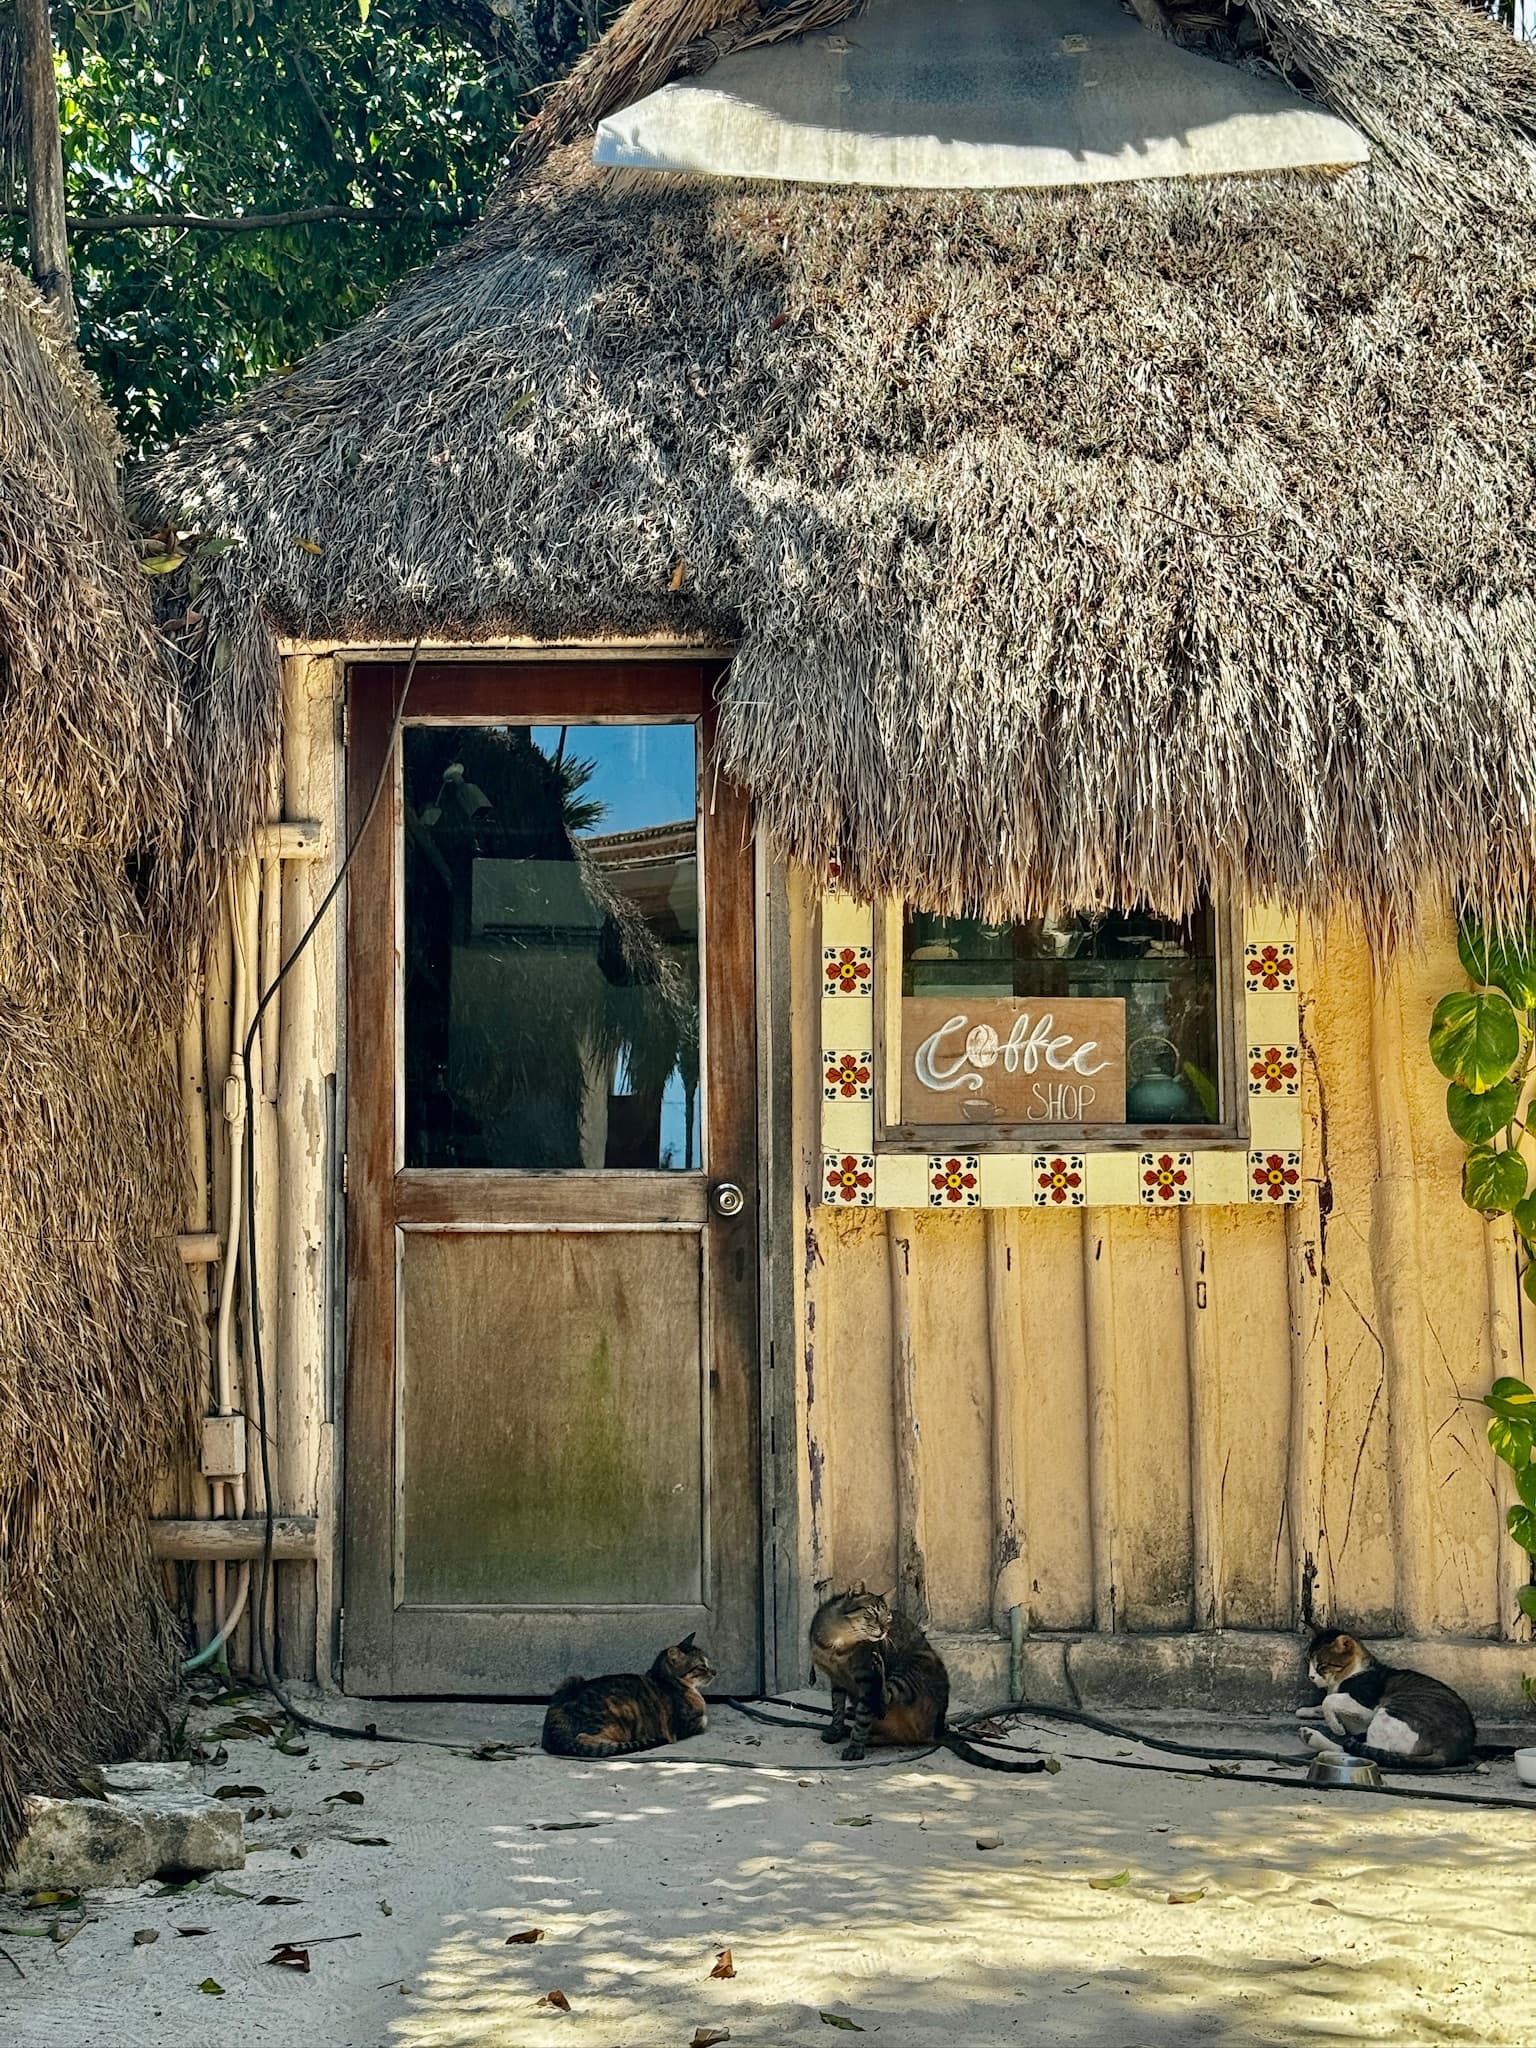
786, 1594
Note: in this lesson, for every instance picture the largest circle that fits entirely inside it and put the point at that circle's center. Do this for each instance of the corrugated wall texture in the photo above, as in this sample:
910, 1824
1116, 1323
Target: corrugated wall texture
1211, 1417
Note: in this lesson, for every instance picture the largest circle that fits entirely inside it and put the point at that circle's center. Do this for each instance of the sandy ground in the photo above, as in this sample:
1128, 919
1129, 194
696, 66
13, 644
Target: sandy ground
845, 1895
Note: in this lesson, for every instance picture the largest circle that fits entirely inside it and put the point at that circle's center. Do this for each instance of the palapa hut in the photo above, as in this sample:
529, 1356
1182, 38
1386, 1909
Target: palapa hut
1011, 551
97, 1353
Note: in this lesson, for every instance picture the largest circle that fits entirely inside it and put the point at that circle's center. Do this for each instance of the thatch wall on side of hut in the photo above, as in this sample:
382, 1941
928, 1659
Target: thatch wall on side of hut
95, 1322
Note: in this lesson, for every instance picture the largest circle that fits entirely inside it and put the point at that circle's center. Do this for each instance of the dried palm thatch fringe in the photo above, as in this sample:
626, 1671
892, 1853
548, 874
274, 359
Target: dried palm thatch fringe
1080, 546
96, 1360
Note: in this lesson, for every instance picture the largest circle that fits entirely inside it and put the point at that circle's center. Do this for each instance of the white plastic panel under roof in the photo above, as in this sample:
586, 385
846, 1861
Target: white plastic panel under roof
971, 94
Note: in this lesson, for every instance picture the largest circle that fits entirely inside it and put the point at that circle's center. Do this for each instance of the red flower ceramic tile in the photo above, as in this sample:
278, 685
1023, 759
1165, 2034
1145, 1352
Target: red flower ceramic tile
848, 1179
1166, 1179
1059, 1180
1274, 1070
954, 1180
1274, 1176
848, 1076
1270, 968
847, 970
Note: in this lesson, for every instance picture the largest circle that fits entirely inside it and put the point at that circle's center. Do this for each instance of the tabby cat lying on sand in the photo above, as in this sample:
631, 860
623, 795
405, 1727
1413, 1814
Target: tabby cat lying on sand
882, 1666
1402, 1719
623, 1712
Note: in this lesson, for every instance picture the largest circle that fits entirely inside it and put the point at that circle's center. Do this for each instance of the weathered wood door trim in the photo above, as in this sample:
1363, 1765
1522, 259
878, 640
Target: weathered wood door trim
395, 1647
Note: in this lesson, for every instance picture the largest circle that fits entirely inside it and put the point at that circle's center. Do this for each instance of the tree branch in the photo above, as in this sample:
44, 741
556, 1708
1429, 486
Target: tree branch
47, 245
249, 223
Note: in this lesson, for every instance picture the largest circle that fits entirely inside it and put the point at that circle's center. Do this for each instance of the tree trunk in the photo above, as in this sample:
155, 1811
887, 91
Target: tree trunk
47, 235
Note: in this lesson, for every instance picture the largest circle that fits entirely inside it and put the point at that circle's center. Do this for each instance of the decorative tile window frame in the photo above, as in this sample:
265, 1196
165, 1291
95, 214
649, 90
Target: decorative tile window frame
1255, 1158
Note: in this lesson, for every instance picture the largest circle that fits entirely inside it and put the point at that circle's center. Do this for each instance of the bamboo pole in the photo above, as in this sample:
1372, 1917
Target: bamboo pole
309, 1046
1005, 1348
1511, 1341
1204, 1370
196, 1214
1104, 1472
911, 1543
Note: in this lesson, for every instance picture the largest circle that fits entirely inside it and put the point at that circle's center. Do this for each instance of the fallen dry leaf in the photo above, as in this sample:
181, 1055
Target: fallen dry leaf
191, 1930
212, 1986
557, 1999
835, 2019
854, 1820
279, 1899
241, 1792
989, 1841
528, 1934
709, 2037
679, 575
349, 1795
1186, 1898
291, 1955
724, 1967
1109, 1884
143, 1936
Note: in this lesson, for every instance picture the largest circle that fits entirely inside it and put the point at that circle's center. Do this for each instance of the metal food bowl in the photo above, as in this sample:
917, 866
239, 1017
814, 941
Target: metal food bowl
1343, 1770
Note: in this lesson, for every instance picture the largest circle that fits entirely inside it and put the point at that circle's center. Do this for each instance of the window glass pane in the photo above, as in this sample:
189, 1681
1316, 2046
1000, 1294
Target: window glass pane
552, 947
1165, 973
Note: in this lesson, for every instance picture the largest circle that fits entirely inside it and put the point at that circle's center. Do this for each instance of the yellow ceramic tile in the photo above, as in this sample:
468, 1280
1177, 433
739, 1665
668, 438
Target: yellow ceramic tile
1263, 920
1274, 1123
901, 1180
1272, 1020
847, 1022
1007, 1180
848, 1126
845, 922
1112, 1179
1221, 1177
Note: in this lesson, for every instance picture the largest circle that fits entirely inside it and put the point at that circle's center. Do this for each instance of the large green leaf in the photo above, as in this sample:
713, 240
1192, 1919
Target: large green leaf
1525, 1216
1525, 1482
1493, 1181
1512, 1399
1474, 1039
1505, 960
1525, 1600
1522, 1526
1477, 1117
1512, 1441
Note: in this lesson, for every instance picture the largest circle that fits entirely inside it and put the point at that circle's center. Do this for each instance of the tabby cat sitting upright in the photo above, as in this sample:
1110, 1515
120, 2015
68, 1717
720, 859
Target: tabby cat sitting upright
623, 1712
1402, 1719
883, 1669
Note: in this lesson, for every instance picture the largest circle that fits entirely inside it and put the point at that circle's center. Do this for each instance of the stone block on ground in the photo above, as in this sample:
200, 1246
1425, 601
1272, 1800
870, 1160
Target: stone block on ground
153, 1824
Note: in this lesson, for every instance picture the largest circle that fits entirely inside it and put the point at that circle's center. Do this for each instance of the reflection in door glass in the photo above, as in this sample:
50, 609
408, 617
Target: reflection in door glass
551, 946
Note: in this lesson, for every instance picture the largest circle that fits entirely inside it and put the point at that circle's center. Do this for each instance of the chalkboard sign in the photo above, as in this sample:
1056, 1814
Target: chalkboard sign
1012, 1060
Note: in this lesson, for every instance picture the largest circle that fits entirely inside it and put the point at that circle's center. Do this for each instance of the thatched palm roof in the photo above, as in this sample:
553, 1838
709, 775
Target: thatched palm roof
95, 1336
1075, 545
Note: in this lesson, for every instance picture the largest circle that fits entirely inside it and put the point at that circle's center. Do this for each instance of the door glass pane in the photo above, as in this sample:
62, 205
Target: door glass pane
552, 946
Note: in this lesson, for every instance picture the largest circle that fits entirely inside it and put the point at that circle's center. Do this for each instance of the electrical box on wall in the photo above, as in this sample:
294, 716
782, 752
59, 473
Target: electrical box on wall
223, 1447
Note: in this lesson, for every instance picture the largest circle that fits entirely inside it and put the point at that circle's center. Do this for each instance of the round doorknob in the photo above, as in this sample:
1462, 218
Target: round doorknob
726, 1199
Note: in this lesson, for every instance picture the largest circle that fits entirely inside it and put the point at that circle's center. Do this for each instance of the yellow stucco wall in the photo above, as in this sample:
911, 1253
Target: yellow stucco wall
1218, 1416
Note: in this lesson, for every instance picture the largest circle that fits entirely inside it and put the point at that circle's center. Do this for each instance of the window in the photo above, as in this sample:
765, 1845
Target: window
1094, 1026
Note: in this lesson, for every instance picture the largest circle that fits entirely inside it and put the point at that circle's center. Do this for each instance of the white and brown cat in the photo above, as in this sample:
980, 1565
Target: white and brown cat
1404, 1720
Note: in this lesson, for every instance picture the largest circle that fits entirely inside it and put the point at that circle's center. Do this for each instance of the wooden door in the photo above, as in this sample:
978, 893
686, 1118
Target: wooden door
551, 1460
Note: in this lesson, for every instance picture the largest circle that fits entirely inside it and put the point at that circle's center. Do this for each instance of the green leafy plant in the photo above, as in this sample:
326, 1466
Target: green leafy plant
1483, 1041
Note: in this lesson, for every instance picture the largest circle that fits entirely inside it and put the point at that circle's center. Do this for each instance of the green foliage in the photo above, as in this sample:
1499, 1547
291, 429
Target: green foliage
1493, 1181
1474, 1039
1483, 1042
1504, 960
221, 107
1477, 1118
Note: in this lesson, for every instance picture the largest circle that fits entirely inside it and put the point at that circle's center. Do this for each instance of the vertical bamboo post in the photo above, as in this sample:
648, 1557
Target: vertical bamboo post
1511, 1342
308, 1056
1103, 1467
197, 1216
1010, 1523
911, 1543
1312, 1563
1396, 1254
1204, 1424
